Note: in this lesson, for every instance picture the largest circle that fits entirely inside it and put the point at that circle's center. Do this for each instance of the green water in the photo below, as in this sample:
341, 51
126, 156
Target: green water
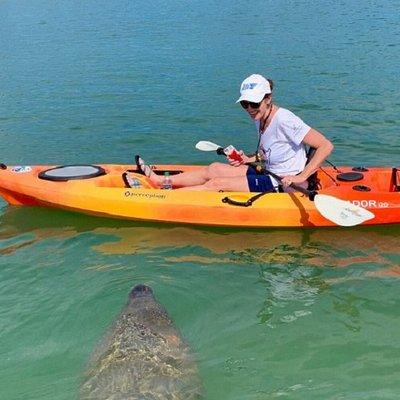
289, 314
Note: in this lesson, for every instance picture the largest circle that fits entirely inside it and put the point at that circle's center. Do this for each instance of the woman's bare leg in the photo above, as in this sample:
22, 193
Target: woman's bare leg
230, 184
203, 175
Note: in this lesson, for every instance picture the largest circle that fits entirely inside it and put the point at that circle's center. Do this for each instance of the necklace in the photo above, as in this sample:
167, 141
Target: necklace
261, 131
263, 125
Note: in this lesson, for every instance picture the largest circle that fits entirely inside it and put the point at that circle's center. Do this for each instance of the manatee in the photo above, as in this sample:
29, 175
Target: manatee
142, 356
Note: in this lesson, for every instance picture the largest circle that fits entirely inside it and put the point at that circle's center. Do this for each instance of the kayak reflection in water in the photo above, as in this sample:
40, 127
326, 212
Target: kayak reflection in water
282, 140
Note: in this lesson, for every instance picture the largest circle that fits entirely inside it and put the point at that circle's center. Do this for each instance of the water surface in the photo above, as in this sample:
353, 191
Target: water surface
292, 314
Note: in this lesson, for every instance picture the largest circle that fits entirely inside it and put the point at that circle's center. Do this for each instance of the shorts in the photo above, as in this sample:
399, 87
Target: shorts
259, 182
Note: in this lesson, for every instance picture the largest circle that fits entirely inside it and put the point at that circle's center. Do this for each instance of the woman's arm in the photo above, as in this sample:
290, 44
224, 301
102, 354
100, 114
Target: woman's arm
323, 148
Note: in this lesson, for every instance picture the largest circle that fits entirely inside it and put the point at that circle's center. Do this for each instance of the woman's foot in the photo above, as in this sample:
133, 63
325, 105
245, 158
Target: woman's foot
142, 167
146, 170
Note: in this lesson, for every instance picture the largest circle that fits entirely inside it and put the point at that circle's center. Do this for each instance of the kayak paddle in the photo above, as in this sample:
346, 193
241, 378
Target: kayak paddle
203, 145
341, 212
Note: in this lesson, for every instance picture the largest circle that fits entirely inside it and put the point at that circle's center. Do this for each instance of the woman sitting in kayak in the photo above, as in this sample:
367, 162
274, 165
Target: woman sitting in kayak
281, 145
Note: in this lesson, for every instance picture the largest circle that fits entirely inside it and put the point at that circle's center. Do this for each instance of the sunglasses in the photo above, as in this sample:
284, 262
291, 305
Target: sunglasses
245, 104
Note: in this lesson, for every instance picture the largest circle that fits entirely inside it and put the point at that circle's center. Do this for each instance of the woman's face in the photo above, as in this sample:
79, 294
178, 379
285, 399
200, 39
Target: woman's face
257, 110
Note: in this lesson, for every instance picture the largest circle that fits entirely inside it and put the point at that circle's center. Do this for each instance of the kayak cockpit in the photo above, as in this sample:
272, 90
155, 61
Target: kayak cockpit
348, 179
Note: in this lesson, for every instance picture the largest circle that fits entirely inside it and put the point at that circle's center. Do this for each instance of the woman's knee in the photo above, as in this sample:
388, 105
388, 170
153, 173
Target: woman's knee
215, 184
215, 170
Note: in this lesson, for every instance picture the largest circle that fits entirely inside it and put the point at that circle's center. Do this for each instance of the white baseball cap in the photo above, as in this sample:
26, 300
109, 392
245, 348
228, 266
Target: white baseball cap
254, 88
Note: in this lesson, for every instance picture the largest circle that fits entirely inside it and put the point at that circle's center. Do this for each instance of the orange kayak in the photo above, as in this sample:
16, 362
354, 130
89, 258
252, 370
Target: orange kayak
102, 190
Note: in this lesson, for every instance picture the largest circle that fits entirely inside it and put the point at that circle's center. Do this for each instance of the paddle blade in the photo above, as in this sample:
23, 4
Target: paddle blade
203, 145
341, 212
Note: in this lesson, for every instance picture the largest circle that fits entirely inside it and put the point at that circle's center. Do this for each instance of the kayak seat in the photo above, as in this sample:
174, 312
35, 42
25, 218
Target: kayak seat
313, 181
64, 173
395, 180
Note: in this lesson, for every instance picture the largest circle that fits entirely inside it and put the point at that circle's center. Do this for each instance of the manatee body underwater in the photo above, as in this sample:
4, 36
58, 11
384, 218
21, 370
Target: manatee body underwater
142, 356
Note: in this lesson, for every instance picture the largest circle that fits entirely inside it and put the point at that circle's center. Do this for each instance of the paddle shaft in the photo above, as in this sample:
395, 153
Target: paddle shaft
310, 194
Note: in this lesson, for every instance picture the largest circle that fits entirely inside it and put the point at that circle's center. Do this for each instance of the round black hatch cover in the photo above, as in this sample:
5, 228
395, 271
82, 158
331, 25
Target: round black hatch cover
68, 172
350, 176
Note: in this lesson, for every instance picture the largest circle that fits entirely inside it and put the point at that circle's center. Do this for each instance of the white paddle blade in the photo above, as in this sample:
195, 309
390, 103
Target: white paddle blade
203, 145
341, 212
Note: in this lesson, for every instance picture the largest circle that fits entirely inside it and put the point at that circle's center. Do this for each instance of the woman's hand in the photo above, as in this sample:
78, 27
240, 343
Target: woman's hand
244, 159
296, 179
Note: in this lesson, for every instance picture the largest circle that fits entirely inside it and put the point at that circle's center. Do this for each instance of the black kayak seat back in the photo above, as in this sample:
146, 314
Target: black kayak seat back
313, 181
395, 180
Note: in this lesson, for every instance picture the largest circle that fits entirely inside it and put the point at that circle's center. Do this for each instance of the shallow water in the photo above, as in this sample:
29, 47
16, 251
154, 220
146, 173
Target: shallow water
296, 314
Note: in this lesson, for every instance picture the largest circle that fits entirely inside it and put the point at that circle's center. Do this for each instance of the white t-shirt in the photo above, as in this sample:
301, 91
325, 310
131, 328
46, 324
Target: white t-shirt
281, 144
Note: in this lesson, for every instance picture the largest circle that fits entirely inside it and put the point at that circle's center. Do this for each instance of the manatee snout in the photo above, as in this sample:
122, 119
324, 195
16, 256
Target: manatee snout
140, 291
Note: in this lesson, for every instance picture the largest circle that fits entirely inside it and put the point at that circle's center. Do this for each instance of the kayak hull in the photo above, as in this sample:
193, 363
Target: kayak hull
107, 196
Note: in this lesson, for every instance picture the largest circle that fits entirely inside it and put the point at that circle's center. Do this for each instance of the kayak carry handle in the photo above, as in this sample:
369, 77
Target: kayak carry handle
246, 203
232, 202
